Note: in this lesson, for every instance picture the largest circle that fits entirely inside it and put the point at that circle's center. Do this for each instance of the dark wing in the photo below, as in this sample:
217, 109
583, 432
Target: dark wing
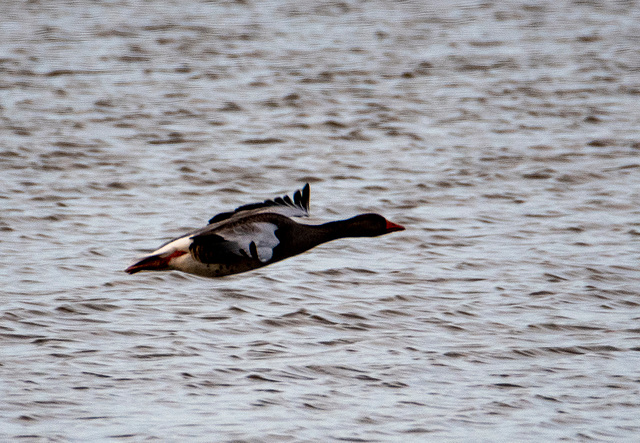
254, 240
212, 248
298, 207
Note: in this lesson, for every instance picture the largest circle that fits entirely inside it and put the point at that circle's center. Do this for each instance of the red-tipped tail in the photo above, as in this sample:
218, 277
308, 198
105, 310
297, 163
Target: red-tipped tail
153, 263
392, 227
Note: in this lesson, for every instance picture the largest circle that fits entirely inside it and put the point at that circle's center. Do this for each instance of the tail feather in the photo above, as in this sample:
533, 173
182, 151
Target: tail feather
154, 262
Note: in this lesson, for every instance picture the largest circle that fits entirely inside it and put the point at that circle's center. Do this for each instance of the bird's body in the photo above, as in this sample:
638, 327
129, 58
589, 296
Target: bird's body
254, 236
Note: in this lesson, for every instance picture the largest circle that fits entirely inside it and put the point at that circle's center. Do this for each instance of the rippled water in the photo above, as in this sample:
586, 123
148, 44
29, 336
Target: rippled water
503, 135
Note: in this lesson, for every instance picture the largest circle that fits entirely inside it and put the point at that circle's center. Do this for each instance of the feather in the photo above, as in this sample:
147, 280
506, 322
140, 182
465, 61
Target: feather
298, 207
251, 240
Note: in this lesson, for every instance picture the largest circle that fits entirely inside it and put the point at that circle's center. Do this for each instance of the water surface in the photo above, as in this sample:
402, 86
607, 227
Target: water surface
503, 135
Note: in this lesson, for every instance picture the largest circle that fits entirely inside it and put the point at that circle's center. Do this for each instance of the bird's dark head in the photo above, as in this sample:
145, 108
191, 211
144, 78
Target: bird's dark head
371, 225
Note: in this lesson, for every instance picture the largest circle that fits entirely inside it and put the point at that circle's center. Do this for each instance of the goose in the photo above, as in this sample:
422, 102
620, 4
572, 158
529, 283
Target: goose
256, 235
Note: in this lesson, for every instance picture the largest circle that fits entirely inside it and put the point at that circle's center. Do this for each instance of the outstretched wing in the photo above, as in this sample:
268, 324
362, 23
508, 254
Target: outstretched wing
298, 207
254, 240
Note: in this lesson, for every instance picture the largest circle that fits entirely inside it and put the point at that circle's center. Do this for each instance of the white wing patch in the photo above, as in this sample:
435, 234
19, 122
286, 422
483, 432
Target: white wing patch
262, 234
178, 244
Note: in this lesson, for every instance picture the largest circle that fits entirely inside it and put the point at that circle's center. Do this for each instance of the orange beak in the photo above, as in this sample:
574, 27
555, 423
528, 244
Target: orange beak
392, 227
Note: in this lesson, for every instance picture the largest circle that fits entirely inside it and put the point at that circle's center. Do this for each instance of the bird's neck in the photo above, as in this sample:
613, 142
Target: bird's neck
340, 229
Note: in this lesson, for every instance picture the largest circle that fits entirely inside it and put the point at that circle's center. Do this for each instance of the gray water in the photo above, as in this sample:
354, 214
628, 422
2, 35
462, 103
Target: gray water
503, 135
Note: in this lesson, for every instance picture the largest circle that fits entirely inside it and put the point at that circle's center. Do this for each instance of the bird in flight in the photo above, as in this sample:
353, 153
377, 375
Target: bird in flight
256, 235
